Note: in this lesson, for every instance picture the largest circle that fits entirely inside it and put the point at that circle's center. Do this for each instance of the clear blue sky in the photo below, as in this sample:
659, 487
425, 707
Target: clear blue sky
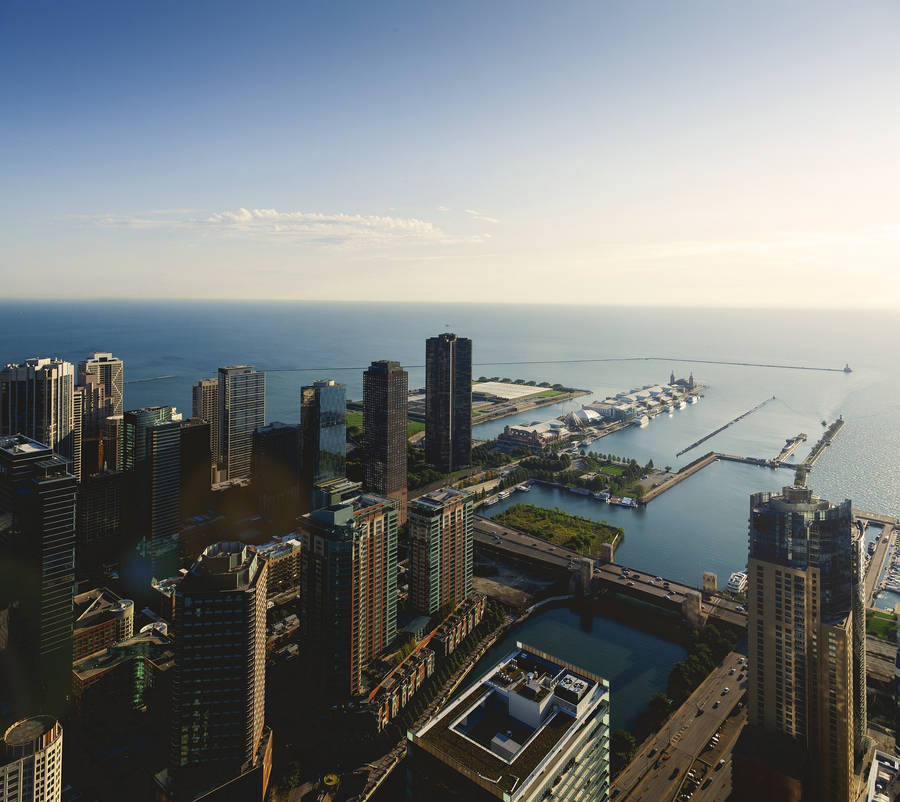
610, 152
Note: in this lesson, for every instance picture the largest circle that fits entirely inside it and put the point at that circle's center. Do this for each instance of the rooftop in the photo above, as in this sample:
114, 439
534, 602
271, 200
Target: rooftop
506, 390
20, 444
97, 605
152, 644
441, 496
515, 718
28, 729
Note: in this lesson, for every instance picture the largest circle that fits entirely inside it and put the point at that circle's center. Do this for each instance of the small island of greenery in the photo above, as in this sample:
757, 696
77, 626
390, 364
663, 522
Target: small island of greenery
561, 528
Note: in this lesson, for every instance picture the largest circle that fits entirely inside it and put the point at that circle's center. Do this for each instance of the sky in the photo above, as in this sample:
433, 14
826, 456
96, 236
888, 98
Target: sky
627, 153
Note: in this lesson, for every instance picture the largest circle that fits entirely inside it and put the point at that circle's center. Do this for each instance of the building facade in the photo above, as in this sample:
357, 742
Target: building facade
37, 571
31, 761
152, 457
110, 370
806, 632
440, 549
532, 728
385, 387
276, 473
205, 405
37, 399
448, 402
323, 435
242, 410
196, 459
349, 588
218, 728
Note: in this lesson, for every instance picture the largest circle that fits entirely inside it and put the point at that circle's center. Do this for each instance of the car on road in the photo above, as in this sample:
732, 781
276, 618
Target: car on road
730, 671
715, 704
741, 609
707, 783
652, 752
631, 584
666, 585
740, 660
720, 764
725, 690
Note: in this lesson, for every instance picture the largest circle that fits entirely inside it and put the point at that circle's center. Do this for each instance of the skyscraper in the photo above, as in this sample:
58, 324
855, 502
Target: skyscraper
242, 410
196, 472
806, 633
276, 473
31, 761
206, 407
323, 436
448, 402
111, 372
349, 581
37, 399
385, 386
37, 571
532, 728
218, 730
440, 549
92, 408
152, 455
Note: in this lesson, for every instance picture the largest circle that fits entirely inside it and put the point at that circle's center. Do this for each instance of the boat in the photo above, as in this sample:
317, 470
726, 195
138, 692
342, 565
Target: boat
847, 368
693, 399
581, 491
682, 404
641, 420
523, 488
489, 502
504, 494
601, 496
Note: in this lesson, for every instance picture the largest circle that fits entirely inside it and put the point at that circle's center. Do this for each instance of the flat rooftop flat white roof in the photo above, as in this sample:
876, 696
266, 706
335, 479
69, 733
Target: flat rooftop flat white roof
505, 390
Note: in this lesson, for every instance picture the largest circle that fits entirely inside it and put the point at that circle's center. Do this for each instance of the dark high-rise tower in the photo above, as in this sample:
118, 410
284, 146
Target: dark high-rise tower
37, 572
205, 405
349, 580
385, 386
218, 731
242, 410
152, 456
806, 633
323, 436
448, 402
110, 371
196, 461
276, 473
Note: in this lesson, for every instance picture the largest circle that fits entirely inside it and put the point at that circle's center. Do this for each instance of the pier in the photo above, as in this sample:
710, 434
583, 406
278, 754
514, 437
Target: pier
723, 428
790, 447
818, 449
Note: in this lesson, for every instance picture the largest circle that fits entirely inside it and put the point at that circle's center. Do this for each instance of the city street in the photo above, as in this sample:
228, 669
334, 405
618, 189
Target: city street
659, 768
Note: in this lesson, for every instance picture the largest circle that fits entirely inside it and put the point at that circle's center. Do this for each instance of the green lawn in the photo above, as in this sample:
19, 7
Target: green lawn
556, 526
612, 470
546, 394
882, 625
414, 427
354, 419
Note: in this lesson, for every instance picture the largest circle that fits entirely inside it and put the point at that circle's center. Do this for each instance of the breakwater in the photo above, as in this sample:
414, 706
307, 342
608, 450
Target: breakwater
724, 427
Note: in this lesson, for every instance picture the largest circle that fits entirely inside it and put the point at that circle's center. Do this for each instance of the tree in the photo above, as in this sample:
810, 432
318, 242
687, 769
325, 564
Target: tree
622, 746
668, 469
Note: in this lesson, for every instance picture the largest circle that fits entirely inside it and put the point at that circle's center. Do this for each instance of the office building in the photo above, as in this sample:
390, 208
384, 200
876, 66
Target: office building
440, 549
98, 521
111, 372
37, 572
242, 410
276, 473
37, 399
349, 588
102, 619
31, 755
385, 386
218, 738
92, 406
323, 436
206, 407
532, 728
113, 458
448, 402
335, 491
196, 472
806, 634
152, 456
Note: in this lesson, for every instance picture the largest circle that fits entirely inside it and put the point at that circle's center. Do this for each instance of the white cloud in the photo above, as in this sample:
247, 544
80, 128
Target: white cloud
337, 230
481, 217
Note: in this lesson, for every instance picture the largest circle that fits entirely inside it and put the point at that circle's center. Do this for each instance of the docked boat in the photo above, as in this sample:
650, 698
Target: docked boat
601, 496
693, 399
489, 502
523, 488
641, 420
503, 494
682, 404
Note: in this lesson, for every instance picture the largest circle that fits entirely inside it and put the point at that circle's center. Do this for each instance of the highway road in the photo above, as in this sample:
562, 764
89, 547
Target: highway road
638, 583
659, 769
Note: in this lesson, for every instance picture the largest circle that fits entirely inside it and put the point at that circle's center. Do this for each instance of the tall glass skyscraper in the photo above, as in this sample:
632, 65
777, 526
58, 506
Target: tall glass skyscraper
385, 386
152, 455
323, 435
242, 410
37, 573
37, 399
806, 634
448, 402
